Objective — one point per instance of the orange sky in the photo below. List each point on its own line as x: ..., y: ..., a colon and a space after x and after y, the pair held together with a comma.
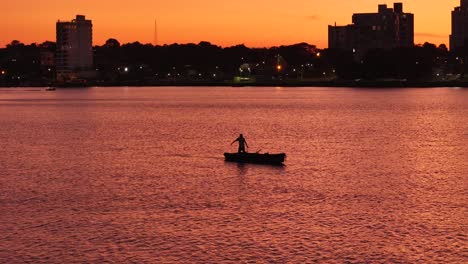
x: 256, y: 23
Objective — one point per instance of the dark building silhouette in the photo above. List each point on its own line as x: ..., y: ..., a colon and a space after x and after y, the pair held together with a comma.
x: 74, y: 54
x: 459, y: 36
x: 342, y: 37
x: 387, y: 29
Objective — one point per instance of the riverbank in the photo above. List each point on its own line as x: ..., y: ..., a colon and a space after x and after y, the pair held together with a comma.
x: 273, y: 83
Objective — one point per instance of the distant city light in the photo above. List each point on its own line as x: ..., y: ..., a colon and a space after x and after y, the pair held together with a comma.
x: 3, y: 72
x: 318, y: 54
x: 279, y: 67
x: 126, y: 69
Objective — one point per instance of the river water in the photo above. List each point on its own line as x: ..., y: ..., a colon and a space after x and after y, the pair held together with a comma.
x: 136, y: 175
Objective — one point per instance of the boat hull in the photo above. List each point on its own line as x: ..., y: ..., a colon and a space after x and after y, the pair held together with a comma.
x: 257, y: 158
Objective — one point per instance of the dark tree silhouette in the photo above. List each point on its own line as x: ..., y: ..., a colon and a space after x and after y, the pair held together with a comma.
x: 137, y: 63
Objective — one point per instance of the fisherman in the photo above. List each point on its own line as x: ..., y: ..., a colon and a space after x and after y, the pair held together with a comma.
x: 242, y: 144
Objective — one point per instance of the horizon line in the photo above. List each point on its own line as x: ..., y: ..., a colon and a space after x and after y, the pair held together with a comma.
x: 214, y: 44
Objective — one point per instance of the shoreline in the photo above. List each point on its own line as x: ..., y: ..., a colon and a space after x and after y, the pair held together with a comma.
x: 288, y: 83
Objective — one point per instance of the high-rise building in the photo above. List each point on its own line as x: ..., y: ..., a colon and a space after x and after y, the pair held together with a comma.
x: 388, y: 28
x: 342, y: 37
x: 459, y: 37
x: 74, y: 48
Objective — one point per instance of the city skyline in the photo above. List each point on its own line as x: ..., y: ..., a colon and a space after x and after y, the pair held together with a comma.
x: 253, y: 24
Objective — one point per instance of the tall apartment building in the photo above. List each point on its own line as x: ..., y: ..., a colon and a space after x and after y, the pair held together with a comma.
x: 74, y: 48
x: 342, y: 37
x: 459, y: 36
x: 388, y: 28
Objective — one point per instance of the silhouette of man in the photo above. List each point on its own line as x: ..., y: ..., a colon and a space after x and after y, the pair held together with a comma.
x: 242, y: 144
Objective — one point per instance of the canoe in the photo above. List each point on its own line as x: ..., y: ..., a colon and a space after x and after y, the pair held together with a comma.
x: 258, y: 158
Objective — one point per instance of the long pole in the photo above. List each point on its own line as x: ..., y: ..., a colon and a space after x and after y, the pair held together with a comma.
x: 155, y: 33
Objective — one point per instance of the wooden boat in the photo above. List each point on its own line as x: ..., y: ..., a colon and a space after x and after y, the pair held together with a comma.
x: 266, y: 158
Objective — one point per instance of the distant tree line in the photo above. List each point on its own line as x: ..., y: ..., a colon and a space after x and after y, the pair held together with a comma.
x: 197, y: 61
x: 114, y: 63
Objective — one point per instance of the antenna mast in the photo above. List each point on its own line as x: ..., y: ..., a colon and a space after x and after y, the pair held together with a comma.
x: 155, y: 40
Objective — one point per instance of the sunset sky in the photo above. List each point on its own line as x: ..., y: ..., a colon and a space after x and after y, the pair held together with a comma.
x: 256, y: 23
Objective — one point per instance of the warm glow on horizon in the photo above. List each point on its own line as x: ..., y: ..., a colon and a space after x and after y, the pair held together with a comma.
x: 256, y: 24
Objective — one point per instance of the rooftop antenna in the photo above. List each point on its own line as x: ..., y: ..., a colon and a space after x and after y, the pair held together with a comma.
x: 155, y: 41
